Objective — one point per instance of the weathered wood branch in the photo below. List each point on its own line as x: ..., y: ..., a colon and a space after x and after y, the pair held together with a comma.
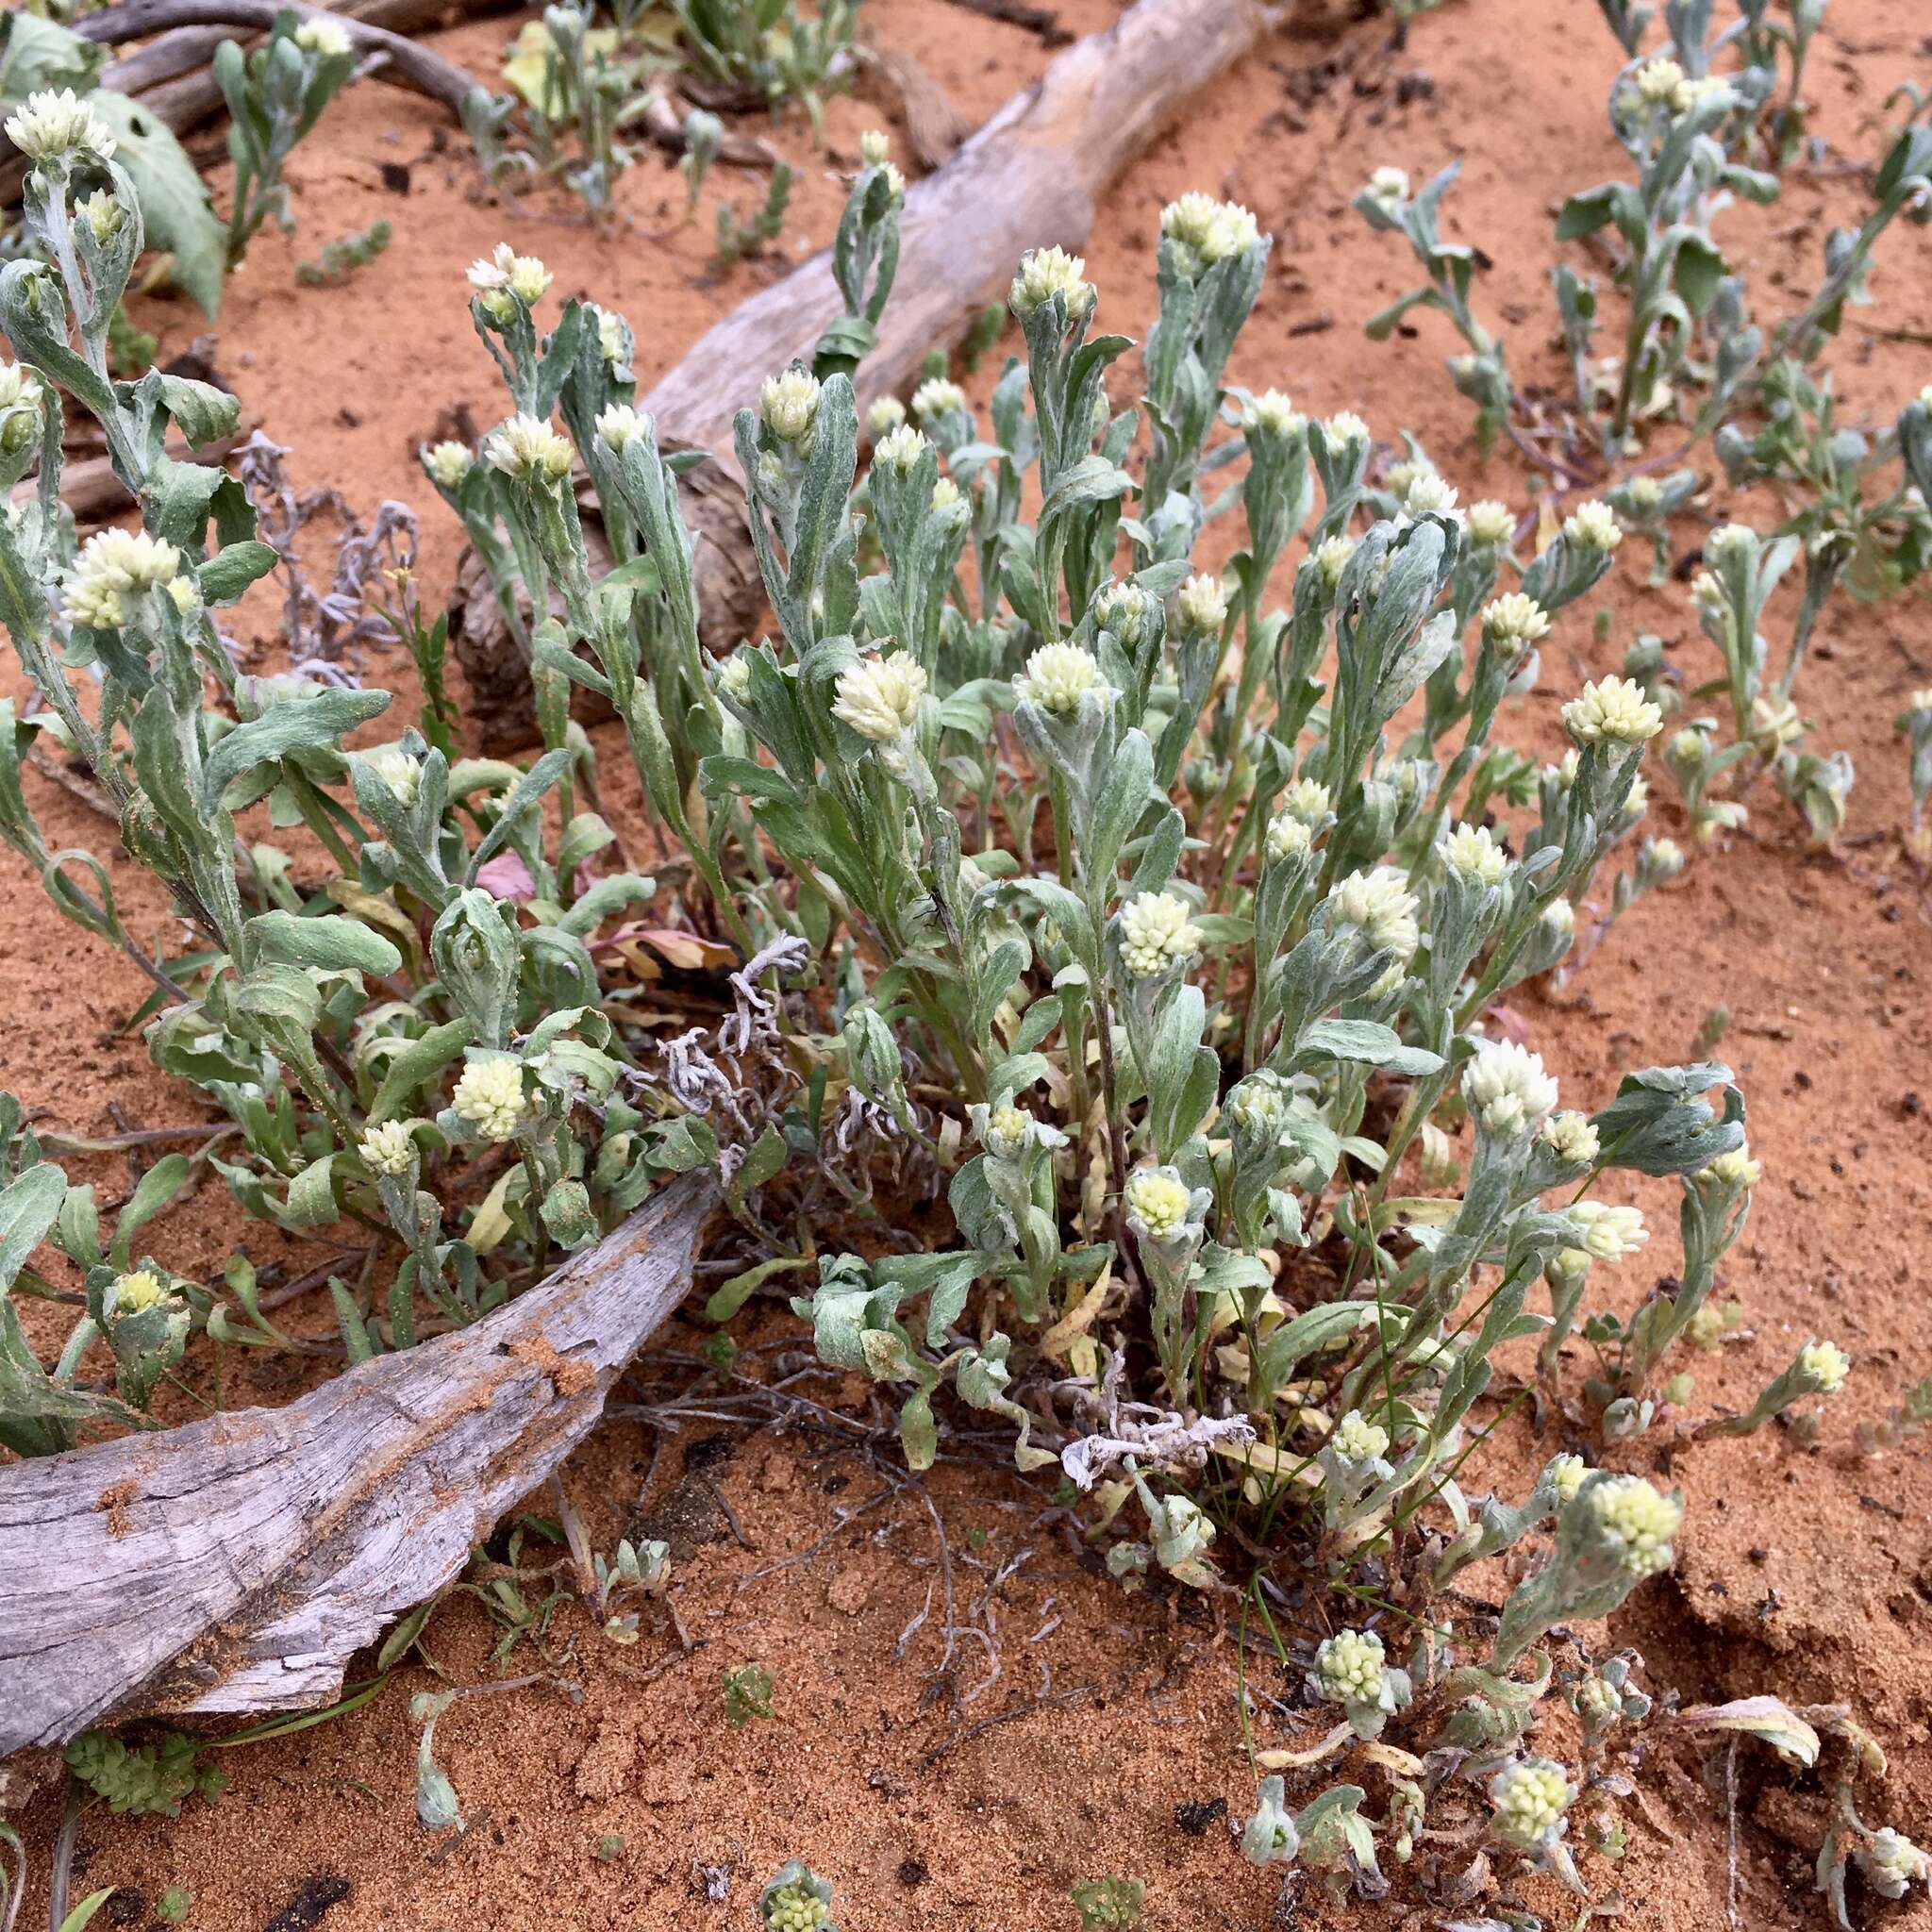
x: 236, y: 1564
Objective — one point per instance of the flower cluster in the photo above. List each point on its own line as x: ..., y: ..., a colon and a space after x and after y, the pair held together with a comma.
x: 115, y: 566
x: 1045, y: 273
x: 528, y: 451
x: 1613, y: 711
x: 490, y: 1095
x: 878, y: 697
x: 507, y: 279
x: 1641, y: 1517
x: 789, y: 403
x: 1156, y: 931
x: 1506, y: 1088
x: 1058, y: 678
x: 61, y: 122
x: 1529, y: 1800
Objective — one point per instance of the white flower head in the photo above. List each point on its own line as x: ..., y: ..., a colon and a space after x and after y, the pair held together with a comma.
x: 1565, y: 1474
x: 1471, y: 852
x: 111, y: 567
x: 1045, y: 273
x: 1689, y: 91
x: 1288, y: 837
x: 1891, y: 1864
x: 789, y: 403
x: 506, y: 278
x: 1663, y: 858
x: 1529, y: 1798
x: 137, y: 1290
x: 103, y: 213
x: 612, y: 344
x: 529, y: 450
x: 1349, y: 1666
x: 1389, y: 186
x: 1057, y: 677
x: 1380, y: 907
x: 1826, y: 1364
x: 1659, y: 80
x: 1212, y: 229
x: 900, y: 448
x: 883, y: 418
x: 59, y: 123
x: 1158, y: 1200
x: 1358, y: 1440
x: 20, y: 388
x: 387, y: 1149
x: 938, y: 397
x: 1571, y: 1138
x: 1330, y: 556
x: 878, y: 697
x: 1515, y: 619
x: 616, y: 425
x: 1613, y: 710
x: 1343, y: 429
x: 1307, y: 799
x: 324, y: 37
x: 1507, y: 1088
x: 1272, y: 414
x: 1560, y: 917
x: 1156, y: 931
x: 1734, y: 1168
x: 734, y: 676
x: 1610, y: 1232
x: 1202, y: 605
x: 875, y: 150
x: 944, y: 491
x: 490, y: 1095
x: 1009, y: 1129
x: 1593, y: 526
x: 1641, y: 1517
x: 1428, y: 495
x: 1490, y: 521
x: 398, y: 770
x: 448, y: 463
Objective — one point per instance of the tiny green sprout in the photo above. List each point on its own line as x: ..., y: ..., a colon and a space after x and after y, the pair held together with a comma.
x: 1110, y: 1905
x: 975, y: 1539
x: 797, y: 1900
x: 748, y: 1694
x: 719, y: 1349
x: 148, y: 1779
x: 173, y: 1907
x: 609, y: 1848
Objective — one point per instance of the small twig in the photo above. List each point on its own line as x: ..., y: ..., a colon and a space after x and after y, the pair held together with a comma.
x: 1012, y: 1714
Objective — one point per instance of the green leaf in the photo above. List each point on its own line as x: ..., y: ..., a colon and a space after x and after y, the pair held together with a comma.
x: 176, y: 210
x: 311, y: 724
x: 417, y: 1063
x: 1367, y: 1043
x: 223, y: 579
x: 28, y: 1207
x: 329, y: 942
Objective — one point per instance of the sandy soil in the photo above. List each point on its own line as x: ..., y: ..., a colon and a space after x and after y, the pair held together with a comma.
x: 1070, y: 1724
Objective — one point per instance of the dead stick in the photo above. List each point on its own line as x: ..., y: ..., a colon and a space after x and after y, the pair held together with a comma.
x: 1032, y: 176
x: 238, y: 1564
x: 376, y: 27
x: 411, y: 66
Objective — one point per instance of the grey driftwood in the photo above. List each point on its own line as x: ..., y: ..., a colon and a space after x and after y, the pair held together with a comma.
x: 236, y: 1564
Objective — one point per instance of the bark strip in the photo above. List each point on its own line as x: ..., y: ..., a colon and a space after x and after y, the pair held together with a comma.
x: 238, y: 1564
